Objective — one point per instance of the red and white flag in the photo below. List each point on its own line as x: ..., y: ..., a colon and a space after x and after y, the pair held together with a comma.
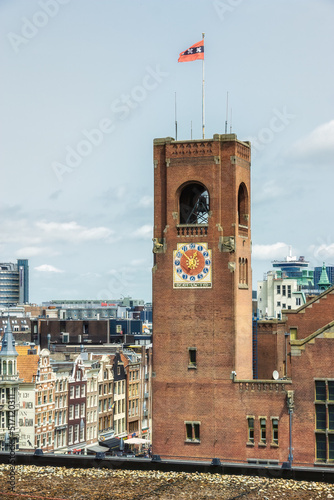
x: 194, y: 52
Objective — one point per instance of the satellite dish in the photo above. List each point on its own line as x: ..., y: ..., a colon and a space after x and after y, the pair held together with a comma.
x: 275, y: 375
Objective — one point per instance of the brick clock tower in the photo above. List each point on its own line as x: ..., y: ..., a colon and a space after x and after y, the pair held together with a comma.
x: 202, y: 293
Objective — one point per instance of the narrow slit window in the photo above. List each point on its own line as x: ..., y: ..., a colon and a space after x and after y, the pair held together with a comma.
x: 263, y: 431
x: 192, y: 363
x: 275, y: 430
x: 250, y: 430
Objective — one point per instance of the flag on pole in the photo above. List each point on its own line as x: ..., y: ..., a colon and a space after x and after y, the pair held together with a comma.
x: 194, y: 52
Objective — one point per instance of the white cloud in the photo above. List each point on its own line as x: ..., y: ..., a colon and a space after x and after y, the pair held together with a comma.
x: 28, y: 252
x: 323, y: 251
x: 18, y: 232
x: 320, y: 143
x: 275, y: 251
x: 72, y: 231
x: 145, y: 231
x: 47, y: 268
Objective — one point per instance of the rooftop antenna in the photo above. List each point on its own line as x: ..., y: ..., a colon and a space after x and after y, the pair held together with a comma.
x: 175, y: 120
x: 226, y: 113
x: 231, y: 123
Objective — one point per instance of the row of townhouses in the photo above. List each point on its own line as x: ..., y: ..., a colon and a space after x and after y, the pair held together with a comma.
x: 72, y: 403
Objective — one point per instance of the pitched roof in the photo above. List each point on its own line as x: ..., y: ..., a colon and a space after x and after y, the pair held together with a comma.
x: 8, y: 342
x: 27, y: 365
x: 22, y: 349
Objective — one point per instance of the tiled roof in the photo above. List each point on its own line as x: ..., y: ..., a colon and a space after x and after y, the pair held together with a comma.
x: 22, y: 349
x: 27, y: 365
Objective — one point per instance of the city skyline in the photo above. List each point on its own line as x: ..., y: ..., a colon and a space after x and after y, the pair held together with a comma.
x: 87, y: 90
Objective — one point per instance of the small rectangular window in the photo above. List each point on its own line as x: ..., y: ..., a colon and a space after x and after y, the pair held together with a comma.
x: 275, y: 430
x: 283, y: 290
x: 320, y: 421
x: 331, y: 390
x: 289, y: 291
x: 320, y: 390
x: 298, y: 302
x: 192, y: 362
x: 321, y: 447
x: 331, y: 447
x: 192, y: 431
x: 278, y: 304
x: 250, y: 430
x: 263, y: 433
x: 278, y: 289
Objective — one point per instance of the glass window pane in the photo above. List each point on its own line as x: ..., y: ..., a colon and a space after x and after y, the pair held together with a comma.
x: 331, y: 417
x: 189, y: 430
x: 331, y: 446
x: 320, y: 390
x: 331, y: 390
x: 320, y: 411
x: 196, y: 431
x: 321, y: 446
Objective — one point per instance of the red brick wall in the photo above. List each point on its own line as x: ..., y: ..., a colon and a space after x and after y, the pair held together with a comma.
x: 314, y: 362
x: 271, y: 349
x: 312, y: 316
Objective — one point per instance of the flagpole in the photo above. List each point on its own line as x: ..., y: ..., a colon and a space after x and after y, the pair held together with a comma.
x: 203, y: 108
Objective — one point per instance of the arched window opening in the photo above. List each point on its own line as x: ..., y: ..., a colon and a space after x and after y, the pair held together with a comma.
x: 243, y: 205
x: 10, y: 368
x: 194, y: 204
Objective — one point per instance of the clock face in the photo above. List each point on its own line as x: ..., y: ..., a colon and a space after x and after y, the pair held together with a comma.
x: 192, y: 266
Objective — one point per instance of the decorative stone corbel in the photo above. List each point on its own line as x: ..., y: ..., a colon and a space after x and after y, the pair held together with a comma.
x: 226, y: 244
x: 231, y: 266
x: 158, y: 245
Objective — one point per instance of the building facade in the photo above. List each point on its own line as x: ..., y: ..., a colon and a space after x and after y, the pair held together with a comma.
x: 275, y: 294
x: 14, y: 283
x: 202, y: 294
x: 77, y: 390
x: 9, y: 392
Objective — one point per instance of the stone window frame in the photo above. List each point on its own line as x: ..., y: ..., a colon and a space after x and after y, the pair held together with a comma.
x: 263, y: 429
x: 250, y: 440
x: 192, y: 431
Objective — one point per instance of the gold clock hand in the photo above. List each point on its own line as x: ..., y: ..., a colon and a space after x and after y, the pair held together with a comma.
x: 186, y: 256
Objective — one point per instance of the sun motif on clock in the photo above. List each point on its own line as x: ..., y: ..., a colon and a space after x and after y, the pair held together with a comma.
x: 192, y: 266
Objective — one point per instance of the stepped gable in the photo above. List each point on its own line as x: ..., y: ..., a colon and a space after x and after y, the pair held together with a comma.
x: 310, y: 317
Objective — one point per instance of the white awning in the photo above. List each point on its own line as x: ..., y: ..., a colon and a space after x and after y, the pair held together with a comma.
x: 136, y: 441
x: 97, y: 448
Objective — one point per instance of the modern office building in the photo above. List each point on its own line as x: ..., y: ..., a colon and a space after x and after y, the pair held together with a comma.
x: 293, y: 268
x: 14, y: 283
x: 284, y: 287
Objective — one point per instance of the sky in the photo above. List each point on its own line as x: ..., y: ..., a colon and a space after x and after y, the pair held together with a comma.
x: 87, y: 85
